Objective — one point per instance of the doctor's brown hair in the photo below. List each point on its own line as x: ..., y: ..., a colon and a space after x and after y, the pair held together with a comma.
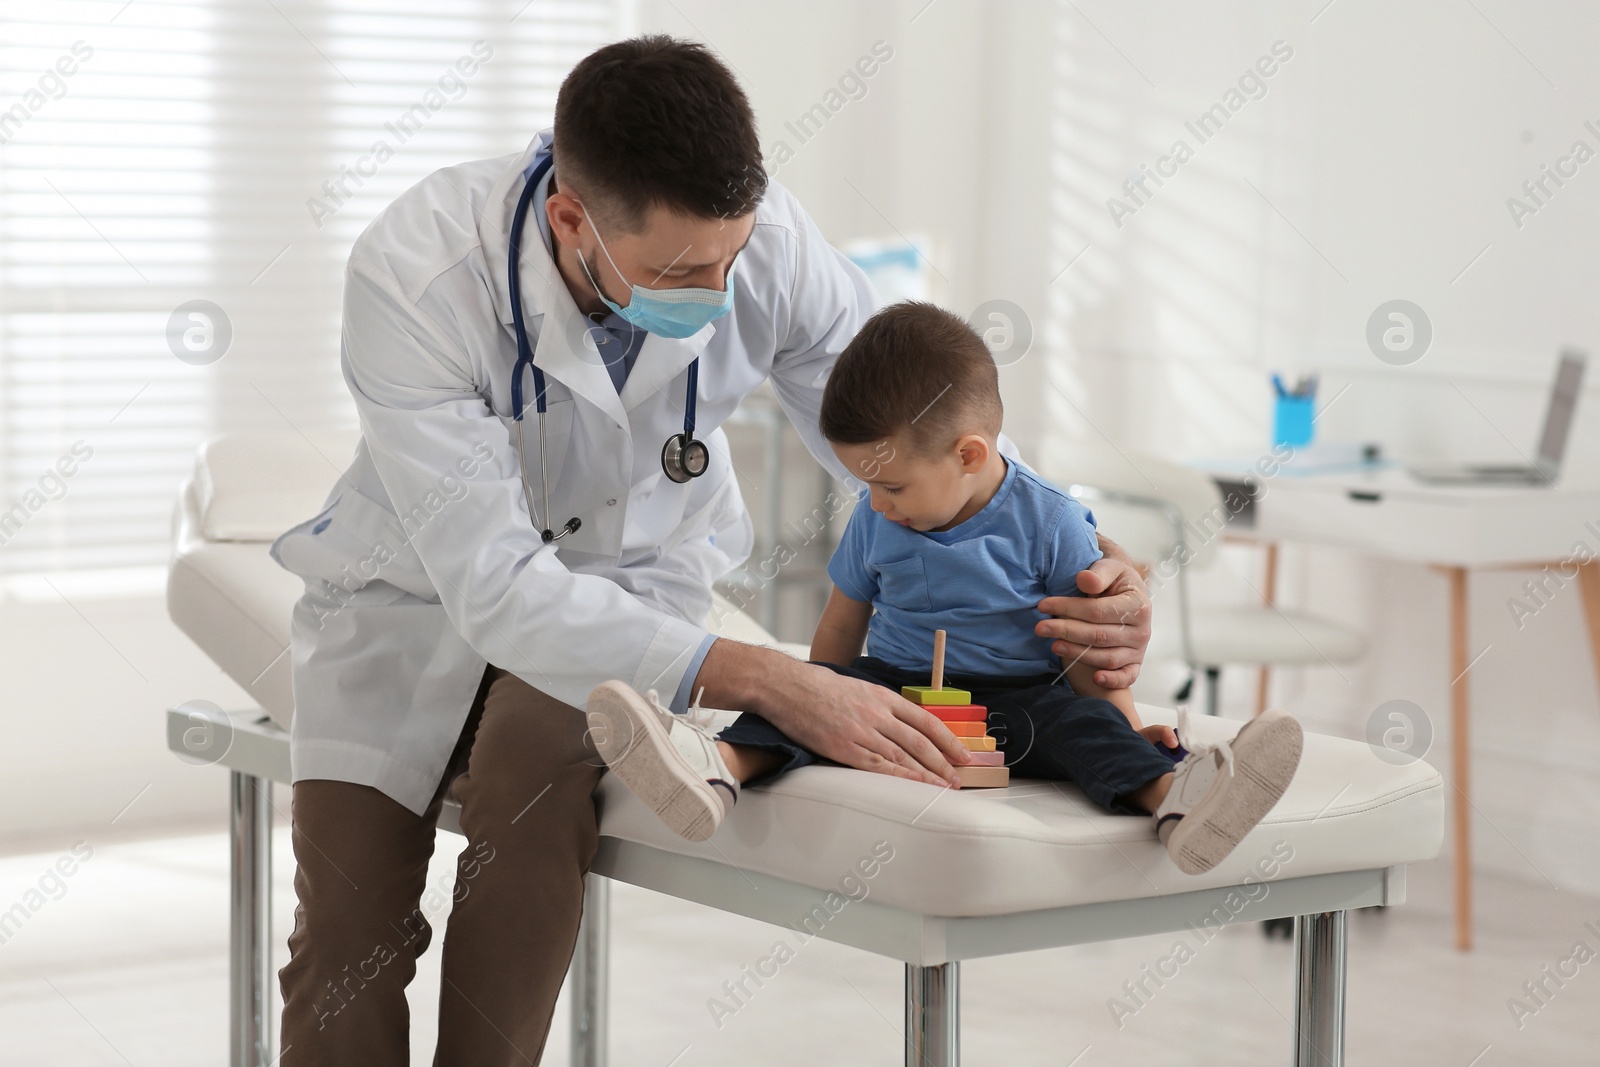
x: 914, y: 367
x: 657, y: 121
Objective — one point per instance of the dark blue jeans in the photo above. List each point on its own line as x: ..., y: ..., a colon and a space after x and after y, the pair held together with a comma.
x: 1044, y: 728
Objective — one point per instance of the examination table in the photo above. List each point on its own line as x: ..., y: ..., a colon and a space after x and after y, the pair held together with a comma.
x: 971, y: 874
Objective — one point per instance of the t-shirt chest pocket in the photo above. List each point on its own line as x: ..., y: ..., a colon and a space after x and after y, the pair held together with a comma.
x: 904, y: 584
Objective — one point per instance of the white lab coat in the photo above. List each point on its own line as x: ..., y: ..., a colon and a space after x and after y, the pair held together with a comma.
x: 397, y: 623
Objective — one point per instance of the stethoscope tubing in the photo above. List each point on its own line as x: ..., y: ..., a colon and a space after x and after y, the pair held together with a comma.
x: 687, y: 443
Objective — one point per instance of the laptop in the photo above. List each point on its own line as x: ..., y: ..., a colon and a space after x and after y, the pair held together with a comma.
x: 1552, y: 441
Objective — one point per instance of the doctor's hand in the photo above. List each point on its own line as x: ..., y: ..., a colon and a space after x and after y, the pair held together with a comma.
x: 848, y: 720
x: 872, y: 728
x: 1107, y: 628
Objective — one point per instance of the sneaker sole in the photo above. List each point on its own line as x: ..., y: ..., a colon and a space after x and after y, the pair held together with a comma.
x: 1265, y: 755
x: 634, y: 744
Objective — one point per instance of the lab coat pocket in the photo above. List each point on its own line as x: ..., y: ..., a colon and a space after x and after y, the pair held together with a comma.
x: 904, y: 583
x: 558, y: 418
x: 373, y: 543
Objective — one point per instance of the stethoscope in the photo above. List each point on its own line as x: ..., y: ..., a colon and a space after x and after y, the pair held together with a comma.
x: 682, y: 457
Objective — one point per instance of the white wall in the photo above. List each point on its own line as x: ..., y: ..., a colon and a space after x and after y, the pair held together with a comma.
x: 85, y: 740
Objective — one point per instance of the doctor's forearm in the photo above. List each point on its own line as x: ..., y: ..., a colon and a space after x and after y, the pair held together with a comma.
x: 741, y: 677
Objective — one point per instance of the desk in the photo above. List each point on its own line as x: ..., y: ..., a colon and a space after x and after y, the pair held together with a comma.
x: 1382, y: 511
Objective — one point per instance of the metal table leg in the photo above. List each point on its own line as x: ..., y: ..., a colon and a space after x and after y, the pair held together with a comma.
x: 250, y: 926
x: 933, y: 1015
x: 1319, y: 946
x: 589, y: 978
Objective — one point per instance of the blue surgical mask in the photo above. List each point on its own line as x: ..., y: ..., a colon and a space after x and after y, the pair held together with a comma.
x: 674, y: 313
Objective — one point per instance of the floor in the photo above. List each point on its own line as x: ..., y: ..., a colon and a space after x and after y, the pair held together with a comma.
x: 123, y: 962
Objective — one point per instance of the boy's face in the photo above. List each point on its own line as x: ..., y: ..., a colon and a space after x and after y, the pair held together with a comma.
x: 921, y: 490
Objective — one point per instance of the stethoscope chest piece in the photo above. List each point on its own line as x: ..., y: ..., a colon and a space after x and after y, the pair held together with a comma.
x: 682, y: 457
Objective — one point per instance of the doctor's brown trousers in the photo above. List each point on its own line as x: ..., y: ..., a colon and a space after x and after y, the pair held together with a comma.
x: 524, y: 775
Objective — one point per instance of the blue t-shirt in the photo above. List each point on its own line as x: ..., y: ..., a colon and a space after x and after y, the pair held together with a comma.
x: 980, y: 581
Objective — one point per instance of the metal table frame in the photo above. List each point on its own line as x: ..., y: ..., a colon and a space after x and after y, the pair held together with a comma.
x: 931, y: 947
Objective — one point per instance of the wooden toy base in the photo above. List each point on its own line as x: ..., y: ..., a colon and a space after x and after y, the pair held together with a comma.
x: 984, y: 777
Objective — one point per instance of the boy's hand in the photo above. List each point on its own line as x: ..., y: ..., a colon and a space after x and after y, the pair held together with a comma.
x: 1107, y: 628
x: 1161, y: 735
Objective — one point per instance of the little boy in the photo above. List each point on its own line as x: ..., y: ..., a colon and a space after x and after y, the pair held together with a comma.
x: 951, y: 535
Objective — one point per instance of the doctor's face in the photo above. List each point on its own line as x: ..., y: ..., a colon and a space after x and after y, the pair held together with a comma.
x: 671, y: 251
x: 919, y: 490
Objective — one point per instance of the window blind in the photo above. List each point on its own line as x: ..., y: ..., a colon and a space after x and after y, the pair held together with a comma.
x: 158, y: 154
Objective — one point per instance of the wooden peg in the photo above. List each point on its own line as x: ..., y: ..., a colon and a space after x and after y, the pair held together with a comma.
x: 938, y: 659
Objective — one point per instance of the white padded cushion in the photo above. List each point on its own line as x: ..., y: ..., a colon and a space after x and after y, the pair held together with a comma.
x: 234, y: 601
x: 252, y: 487
x: 1042, y: 844
x: 726, y: 620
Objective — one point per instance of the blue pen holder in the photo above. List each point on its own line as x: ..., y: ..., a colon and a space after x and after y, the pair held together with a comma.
x: 1291, y: 420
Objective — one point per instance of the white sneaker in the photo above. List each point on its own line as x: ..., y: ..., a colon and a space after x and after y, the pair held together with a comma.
x: 670, y: 762
x: 1220, y: 793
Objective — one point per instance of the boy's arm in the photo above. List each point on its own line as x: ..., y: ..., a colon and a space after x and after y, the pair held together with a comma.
x: 1076, y: 546
x: 842, y: 630
x: 1081, y: 675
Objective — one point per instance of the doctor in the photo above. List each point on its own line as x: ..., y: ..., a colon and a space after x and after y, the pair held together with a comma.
x: 523, y: 521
